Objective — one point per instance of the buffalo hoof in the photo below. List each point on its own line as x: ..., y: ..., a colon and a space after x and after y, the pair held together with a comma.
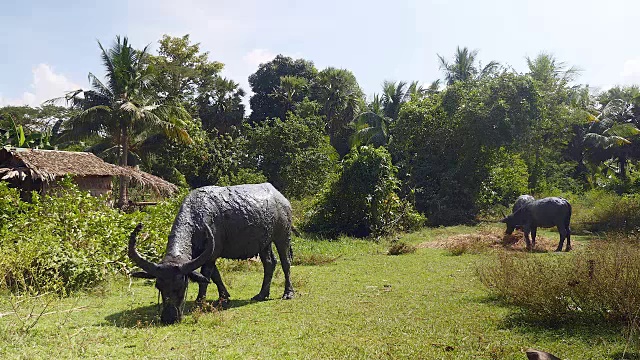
x: 288, y: 295
x: 558, y: 250
x: 260, y: 297
x: 223, y: 303
x: 567, y: 249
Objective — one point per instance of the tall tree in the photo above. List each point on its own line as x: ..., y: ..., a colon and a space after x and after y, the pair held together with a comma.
x: 340, y: 97
x: 394, y: 94
x: 180, y: 71
x: 372, y: 126
x: 464, y: 67
x: 290, y: 89
x: 124, y: 108
x: 220, y: 104
x: 545, y: 148
x: 266, y: 81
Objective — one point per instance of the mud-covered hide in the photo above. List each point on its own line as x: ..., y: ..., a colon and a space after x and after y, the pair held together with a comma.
x: 244, y: 220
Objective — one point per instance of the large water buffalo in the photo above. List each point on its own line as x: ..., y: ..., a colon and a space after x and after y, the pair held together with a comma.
x: 547, y: 212
x: 235, y: 222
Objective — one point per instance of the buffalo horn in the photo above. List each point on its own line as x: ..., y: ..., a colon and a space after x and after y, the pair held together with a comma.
x: 204, y: 257
x: 146, y: 265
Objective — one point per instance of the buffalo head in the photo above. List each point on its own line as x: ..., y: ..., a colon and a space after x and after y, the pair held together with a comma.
x: 171, y: 278
x: 511, y: 224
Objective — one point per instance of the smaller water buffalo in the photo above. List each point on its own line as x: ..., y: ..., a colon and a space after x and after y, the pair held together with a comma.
x: 521, y: 201
x: 547, y: 212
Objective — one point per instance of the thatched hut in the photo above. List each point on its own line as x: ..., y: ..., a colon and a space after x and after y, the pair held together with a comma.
x: 39, y: 170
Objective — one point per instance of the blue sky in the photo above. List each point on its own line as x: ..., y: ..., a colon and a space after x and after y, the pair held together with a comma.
x: 50, y: 47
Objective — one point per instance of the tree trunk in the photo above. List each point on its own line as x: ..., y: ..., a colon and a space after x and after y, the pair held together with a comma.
x: 124, y: 180
x: 623, y: 167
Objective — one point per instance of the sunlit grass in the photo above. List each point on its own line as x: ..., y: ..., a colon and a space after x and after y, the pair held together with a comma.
x: 362, y: 303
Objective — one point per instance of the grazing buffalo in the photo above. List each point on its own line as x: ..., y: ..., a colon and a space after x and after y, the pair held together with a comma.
x: 547, y: 212
x: 235, y: 222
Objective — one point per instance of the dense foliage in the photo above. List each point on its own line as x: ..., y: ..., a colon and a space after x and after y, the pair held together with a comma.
x: 71, y: 240
x: 363, y: 199
x: 463, y: 145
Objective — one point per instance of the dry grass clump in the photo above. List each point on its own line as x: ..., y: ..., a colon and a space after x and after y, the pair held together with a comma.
x: 601, y: 281
x: 488, y: 239
x: 399, y: 248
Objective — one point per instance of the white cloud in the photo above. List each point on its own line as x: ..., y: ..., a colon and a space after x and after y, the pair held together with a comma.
x: 631, y: 71
x: 258, y: 56
x: 46, y: 85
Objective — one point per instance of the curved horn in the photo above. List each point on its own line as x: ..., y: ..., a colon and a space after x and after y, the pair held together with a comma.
x: 204, y: 257
x: 146, y: 265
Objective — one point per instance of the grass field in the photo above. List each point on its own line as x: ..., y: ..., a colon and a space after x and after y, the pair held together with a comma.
x: 352, y: 301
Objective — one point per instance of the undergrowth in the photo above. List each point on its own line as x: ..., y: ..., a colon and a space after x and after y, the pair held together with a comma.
x: 599, y: 283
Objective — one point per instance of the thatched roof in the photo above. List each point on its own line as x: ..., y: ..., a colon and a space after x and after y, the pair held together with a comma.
x: 49, y: 165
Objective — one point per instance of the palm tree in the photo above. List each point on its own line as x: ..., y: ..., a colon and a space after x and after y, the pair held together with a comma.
x: 124, y: 108
x: 341, y: 98
x: 372, y: 127
x: 220, y: 104
x: 464, y: 68
x: 610, y: 133
x: 290, y: 88
x: 546, y: 69
x: 394, y: 94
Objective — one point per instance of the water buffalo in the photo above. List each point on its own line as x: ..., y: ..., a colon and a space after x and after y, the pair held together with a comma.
x: 235, y: 222
x: 547, y: 212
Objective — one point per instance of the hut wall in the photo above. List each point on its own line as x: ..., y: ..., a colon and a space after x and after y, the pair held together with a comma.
x: 95, y: 185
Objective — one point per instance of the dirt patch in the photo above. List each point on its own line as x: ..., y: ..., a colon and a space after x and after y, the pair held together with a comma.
x: 487, y: 239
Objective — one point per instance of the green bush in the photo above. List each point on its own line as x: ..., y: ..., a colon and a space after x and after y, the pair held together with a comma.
x: 72, y: 240
x: 295, y: 155
x: 363, y: 200
x: 601, y: 211
x: 508, y: 178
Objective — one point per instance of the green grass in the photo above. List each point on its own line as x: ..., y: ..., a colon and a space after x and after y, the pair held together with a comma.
x: 357, y: 303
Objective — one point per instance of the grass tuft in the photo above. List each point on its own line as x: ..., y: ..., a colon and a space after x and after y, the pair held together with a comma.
x: 399, y: 248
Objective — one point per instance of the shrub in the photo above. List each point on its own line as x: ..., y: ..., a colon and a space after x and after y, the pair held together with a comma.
x: 363, y: 200
x: 73, y: 240
x: 295, y: 155
x: 602, y: 282
x: 601, y: 210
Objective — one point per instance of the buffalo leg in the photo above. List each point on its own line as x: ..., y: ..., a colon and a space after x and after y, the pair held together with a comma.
x: 526, y: 238
x: 285, y: 260
x: 563, y: 234
x: 210, y: 271
x: 568, y: 248
x: 534, y: 231
x: 269, y: 264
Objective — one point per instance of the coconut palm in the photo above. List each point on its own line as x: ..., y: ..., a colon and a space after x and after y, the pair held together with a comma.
x: 372, y: 125
x: 464, y: 68
x: 124, y: 108
x: 611, y: 132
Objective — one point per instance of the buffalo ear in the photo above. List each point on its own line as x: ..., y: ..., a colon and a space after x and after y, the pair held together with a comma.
x: 142, y: 275
x: 504, y: 220
x: 197, y: 277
